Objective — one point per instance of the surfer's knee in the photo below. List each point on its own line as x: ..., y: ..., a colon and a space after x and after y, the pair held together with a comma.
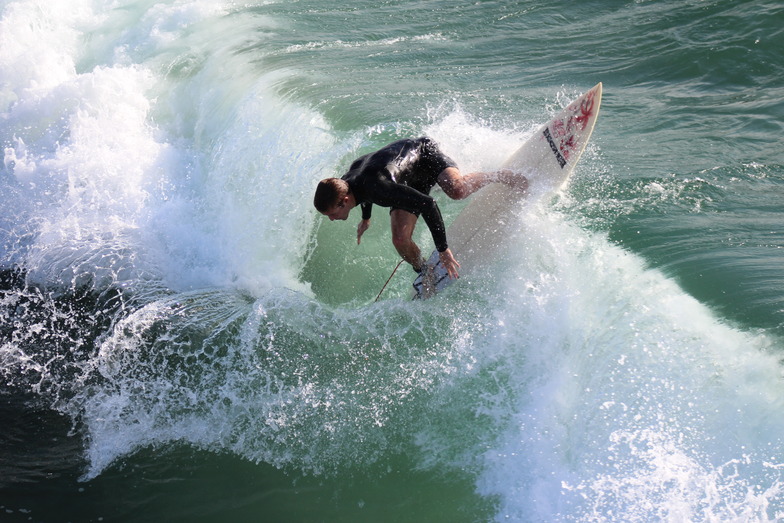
x: 460, y: 191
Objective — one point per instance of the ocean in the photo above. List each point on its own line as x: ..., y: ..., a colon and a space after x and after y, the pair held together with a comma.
x: 184, y: 338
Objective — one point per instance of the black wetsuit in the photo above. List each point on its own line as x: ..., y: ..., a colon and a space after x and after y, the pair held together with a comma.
x: 401, y: 176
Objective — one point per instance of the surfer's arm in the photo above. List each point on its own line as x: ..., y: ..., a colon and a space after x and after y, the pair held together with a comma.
x: 432, y: 216
x: 367, y: 208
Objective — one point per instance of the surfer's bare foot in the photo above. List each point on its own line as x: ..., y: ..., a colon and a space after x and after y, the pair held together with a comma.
x: 515, y: 180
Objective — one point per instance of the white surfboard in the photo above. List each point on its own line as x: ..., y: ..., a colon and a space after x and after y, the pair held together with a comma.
x: 547, y: 160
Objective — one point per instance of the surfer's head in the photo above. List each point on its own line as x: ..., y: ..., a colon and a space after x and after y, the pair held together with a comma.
x: 333, y: 198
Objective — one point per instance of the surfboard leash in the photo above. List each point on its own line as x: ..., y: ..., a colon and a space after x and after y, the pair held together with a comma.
x: 388, y: 280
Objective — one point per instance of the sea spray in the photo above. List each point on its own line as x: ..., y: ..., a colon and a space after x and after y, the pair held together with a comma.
x: 617, y: 361
x: 279, y: 379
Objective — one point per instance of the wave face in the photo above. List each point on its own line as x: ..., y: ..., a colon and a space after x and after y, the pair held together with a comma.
x: 172, y: 309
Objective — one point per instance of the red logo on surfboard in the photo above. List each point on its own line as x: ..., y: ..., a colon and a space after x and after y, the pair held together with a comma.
x: 562, y: 139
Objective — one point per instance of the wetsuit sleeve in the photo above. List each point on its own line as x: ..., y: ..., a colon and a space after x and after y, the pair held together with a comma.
x: 390, y: 194
x: 367, y: 208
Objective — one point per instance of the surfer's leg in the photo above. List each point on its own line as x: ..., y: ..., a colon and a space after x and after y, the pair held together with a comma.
x: 403, y: 223
x: 458, y: 186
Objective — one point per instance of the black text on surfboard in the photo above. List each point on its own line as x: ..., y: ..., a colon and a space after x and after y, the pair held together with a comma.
x: 558, y: 155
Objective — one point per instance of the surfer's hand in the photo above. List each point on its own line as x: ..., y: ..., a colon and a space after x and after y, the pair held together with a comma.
x: 361, y: 228
x: 450, y: 263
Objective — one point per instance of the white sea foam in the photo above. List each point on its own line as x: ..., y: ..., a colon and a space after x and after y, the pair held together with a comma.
x: 104, y: 172
x: 633, y: 400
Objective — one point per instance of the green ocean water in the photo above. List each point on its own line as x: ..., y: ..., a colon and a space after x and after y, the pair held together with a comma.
x: 183, y: 338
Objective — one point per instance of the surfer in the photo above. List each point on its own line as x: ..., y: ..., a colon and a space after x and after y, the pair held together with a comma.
x: 400, y: 176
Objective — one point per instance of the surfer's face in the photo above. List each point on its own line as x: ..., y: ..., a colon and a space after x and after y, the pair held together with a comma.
x: 338, y: 212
